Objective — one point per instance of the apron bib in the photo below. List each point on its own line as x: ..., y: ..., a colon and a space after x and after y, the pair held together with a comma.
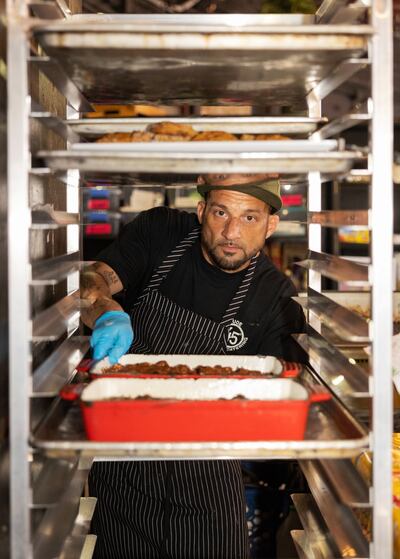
x: 174, y: 509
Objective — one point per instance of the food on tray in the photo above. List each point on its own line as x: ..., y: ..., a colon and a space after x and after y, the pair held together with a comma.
x: 170, y: 138
x: 248, y: 137
x: 363, y: 463
x: 162, y: 368
x: 126, y: 137
x: 165, y: 131
x: 141, y: 137
x: 115, y: 137
x: 214, y: 136
x: 359, y: 310
x: 271, y: 137
x: 364, y: 517
x: 263, y: 137
x: 172, y: 129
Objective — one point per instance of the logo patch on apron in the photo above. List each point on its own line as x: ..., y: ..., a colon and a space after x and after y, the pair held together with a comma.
x: 234, y: 336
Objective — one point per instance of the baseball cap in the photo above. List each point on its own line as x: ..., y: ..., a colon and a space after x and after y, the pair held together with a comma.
x: 266, y: 189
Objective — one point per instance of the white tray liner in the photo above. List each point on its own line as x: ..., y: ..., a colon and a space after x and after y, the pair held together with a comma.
x: 194, y: 389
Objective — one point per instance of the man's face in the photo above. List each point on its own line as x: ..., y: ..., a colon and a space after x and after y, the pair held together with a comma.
x: 234, y: 228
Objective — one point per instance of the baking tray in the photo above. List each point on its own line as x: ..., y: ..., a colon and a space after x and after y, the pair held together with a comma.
x: 198, y: 22
x: 224, y: 60
x: 189, y: 409
x: 209, y: 158
x: 267, y: 365
x: 90, y: 128
x: 342, y: 322
x: 169, y: 181
x: 360, y: 302
x: 275, y: 146
x: 331, y: 433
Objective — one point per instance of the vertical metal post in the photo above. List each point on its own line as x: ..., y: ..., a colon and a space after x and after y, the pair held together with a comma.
x: 18, y: 279
x: 381, y: 274
x: 73, y: 232
x: 314, y: 200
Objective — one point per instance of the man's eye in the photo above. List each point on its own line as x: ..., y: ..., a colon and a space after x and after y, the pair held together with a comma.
x: 250, y: 218
x: 220, y: 213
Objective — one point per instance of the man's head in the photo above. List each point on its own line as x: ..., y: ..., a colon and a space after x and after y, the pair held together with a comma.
x: 236, y: 217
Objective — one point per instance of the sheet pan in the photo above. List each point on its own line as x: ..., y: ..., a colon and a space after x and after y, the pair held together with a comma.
x: 173, y: 409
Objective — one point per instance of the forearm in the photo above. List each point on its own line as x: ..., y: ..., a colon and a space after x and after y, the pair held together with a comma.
x: 96, y: 296
x: 90, y: 314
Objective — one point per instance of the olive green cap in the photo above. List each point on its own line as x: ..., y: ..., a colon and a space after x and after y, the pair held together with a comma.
x: 266, y: 190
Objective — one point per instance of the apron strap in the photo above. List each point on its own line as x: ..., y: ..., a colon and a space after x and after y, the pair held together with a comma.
x: 169, y: 262
x: 234, y: 305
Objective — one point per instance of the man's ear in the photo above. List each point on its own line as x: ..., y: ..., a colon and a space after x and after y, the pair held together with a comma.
x: 200, y: 180
x: 273, y: 223
x: 200, y: 210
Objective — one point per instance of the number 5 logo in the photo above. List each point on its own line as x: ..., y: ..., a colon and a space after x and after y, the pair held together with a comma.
x: 235, y: 337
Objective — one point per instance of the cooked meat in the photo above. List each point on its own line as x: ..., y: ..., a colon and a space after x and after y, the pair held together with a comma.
x: 171, y: 132
x: 126, y: 137
x: 162, y: 368
x: 172, y: 129
x: 214, y: 136
x: 170, y: 138
x: 271, y: 137
x: 115, y: 137
x: 247, y: 137
x: 141, y: 137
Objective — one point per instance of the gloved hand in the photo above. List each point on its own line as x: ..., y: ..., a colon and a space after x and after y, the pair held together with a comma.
x: 112, y: 335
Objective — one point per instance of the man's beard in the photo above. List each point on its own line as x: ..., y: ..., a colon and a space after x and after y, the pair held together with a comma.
x: 227, y: 263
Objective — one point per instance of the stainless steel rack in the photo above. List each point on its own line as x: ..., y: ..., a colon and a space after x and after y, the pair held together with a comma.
x: 292, y: 63
x: 212, y: 158
x: 91, y: 129
x: 98, y: 54
x: 331, y: 433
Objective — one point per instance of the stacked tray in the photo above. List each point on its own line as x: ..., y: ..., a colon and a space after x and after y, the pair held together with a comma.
x: 202, y: 409
x: 251, y: 59
x: 205, y: 58
x: 290, y: 157
x: 274, y: 60
x: 221, y: 60
x: 91, y: 129
x: 330, y: 431
x: 209, y: 397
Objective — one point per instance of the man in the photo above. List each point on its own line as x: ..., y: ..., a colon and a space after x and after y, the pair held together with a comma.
x: 193, y: 284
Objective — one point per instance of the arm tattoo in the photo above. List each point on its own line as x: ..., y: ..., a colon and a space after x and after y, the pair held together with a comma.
x: 90, y: 280
x: 110, y: 277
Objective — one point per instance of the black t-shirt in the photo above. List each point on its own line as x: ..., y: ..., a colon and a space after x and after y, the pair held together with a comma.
x: 268, y: 315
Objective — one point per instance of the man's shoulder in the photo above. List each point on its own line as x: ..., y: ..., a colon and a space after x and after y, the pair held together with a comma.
x: 169, y: 217
x: 166, y: 227
x: 271, y: 275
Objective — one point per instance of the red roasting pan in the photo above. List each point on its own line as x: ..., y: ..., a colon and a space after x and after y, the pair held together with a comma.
x: 203, y: 409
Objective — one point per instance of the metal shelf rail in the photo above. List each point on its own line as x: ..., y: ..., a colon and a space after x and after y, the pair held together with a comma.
x: 46, y: 519
x: 297, y: 64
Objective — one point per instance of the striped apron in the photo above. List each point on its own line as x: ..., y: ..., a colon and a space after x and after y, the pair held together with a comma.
x: 173, y: 509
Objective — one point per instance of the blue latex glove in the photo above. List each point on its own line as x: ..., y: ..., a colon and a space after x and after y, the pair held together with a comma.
x: 112, y: 335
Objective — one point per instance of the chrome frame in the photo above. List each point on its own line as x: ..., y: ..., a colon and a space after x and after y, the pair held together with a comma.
x: 381, y: 196
x: 18, y: 280
x: 380, y: 275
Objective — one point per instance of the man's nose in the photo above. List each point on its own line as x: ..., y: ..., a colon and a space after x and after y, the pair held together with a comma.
x: 232, y: 229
